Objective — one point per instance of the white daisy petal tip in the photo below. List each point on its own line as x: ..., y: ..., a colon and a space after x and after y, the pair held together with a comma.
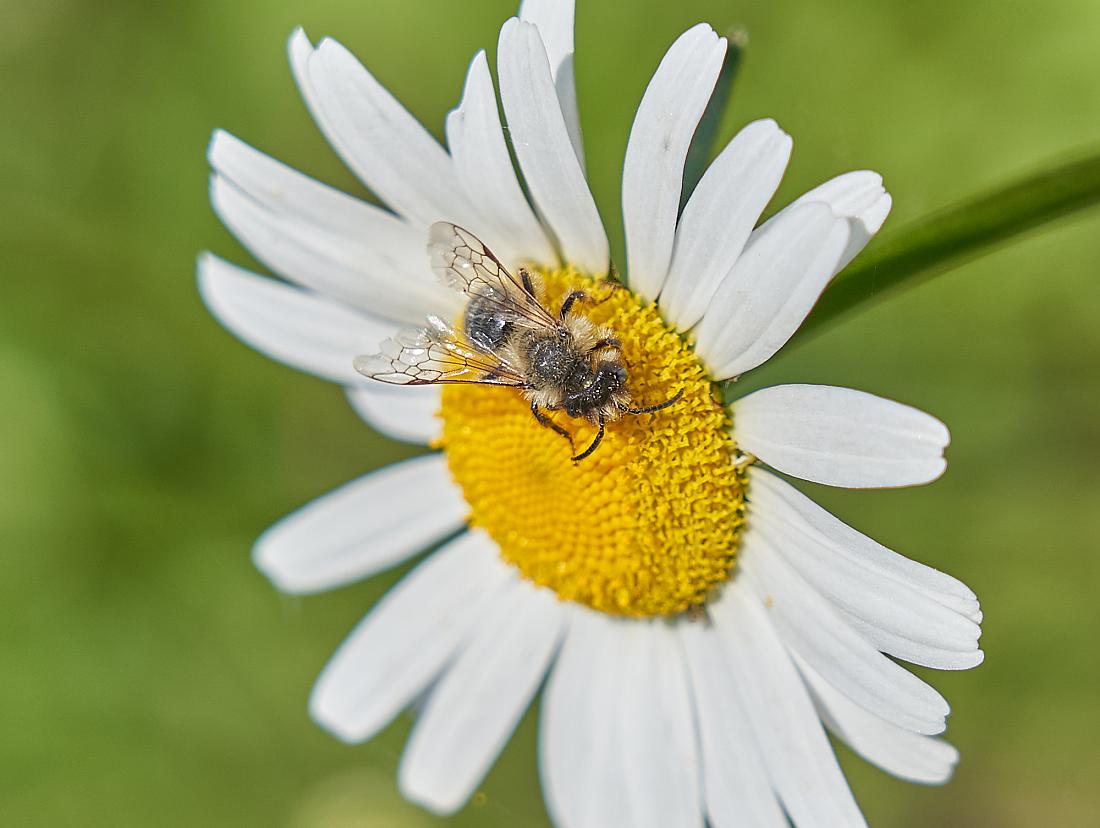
x: 910, y: 756
x: 383, y: 143
x: 774, y: 283
x: 408, y: 639
x: 660, y: 137
x: 298, y: 45
x: 841, y: 437
x: 331, y: 718
x: 267, y: 557
x: 763, y: 130
x: 362, y: 528
x: 875, y: 216
x: 484, y: 168
x: 473, y: 709
x: 719, y: 218
x: 541, y: 140
x: 816, y: 630
x: 860, y: 197
x: 555, y: 21
x: 894, y: 605
x: 219, y: 141
x: 440, y: 802
x: 218, y: 281
x: 296, y: 327
x: 891, y: 599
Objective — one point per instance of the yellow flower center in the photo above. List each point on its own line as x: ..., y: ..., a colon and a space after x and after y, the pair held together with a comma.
x: 648, y: 524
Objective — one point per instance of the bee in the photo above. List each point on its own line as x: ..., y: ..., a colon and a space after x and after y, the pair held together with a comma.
x: 559, y: 361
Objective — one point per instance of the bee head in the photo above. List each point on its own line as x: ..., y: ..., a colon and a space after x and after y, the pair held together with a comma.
x: 613, y: 374
x: 601, y: 385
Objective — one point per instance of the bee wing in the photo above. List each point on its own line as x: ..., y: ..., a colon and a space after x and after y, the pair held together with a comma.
x: 434, y: 355
x: 464, y: 263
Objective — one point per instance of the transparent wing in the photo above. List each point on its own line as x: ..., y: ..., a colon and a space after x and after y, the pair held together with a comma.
x: 464, y: 263
x: 434, y: 355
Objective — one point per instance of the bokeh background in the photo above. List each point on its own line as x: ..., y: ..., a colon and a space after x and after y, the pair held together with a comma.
x: 152, y: 677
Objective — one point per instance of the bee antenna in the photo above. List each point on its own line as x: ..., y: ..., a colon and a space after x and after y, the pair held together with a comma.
x: 649, y: 409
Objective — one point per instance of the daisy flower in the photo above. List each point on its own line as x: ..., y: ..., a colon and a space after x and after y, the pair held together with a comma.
x: 699, y: 624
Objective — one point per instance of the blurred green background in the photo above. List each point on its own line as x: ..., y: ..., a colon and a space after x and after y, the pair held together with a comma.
x: 152, y: 677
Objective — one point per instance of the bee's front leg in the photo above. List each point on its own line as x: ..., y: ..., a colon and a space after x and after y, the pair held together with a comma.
x: 546, y: 422
x: 574, y: 297
x: 595, y: 443
x: 582, y: 296
x: 528, y: 285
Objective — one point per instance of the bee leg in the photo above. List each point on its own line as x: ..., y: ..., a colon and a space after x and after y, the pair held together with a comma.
x: 546, y: 422
x: 606, y: 342
x: 582, y: 296
x: 528, y: 285
x: 649, y: 409
x: 567, y: 305
x: 595, y: 444
x: 613, y: 284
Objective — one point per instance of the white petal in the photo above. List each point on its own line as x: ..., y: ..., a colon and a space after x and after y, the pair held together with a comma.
x: 906, y: 755
x: 363, y: 527
x: 407, y: 639
x: 301, y: 329
x: 771, y: 288
x: 653, y: 170
x: 960, y: 653
x: 858, y: 196
x: 811, y: 628
x: 282, y: 189
x: 550, y: 167
x: 477, y: 704
x: 616, y: 736
x: 787, y: 731
x: 891, y: 613
x: 485, y: 170
x: 736, y: 787
x: 719, y: 217
x: 839, y: 545
x: 554, y: 20
x: 327, y: 262
x: 389, y: 246
x: 407, y: 413
x: 841, y: 437
x: 376, y: 136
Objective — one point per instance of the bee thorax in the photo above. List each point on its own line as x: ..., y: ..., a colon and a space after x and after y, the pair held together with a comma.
x: 553, y: 361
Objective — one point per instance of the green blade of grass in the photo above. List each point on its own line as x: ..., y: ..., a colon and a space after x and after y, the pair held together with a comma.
x: 947, y: 238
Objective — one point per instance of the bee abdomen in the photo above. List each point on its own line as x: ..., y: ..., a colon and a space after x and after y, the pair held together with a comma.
x: 484, y: 323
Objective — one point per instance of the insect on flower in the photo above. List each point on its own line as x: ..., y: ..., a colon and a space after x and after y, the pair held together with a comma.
x: 582, y: 579
x: 561, y: 362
